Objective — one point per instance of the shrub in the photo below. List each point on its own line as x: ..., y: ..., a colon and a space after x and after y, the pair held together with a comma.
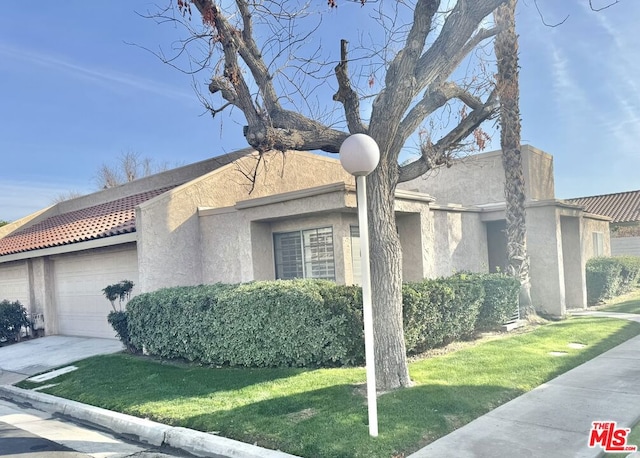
x: 13, y: 317
x: 261, y: 324
x: 437, y: 312
x: 603, y: 279
x: 608, y: 277
x: 629, y: 273
x: 120, y: 291
x: 501, y: 296
x: 118, y: 320
x: 304, y: 322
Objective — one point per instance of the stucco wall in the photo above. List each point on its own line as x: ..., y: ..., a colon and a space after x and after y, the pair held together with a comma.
x: 544, y: 246
x: 460, y: 242
x: 625, y: 246
x: 170, y: 233
x: 573, y: 262
x: 236, y: 249
x: 42, y: 291
x: 479, y: 179
x: 591, y: 225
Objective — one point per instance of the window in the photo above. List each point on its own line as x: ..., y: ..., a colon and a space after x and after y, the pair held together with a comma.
x: 305, y: 254
x: 598, y: 244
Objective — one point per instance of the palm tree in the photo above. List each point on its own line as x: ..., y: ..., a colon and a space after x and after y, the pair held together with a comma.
x: 506, y: 49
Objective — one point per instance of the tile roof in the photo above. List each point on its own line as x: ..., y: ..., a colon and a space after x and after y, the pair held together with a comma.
x: 622, y: 207
x: 104, y: 220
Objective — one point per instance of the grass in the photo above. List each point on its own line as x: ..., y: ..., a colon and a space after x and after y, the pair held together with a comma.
x: 628, y: 303
x: 323, y: 412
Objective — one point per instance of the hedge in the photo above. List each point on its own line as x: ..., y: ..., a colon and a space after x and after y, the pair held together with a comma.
x: 501, y: 296
x: 304, y: 322
x: 608, y: 277
x: 437, y: 312
x: 260, y: 324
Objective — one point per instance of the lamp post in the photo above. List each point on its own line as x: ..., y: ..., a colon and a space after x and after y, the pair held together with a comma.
x: 359, y: 155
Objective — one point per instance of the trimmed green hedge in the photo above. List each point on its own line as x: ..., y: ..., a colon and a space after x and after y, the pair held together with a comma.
x: 501, y: 295
x: 260, y: 324
x: 304, y: 322
x: 608, y: 277
x: 437, y: 312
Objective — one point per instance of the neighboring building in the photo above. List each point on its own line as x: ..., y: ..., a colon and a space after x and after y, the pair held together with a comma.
x: 624, y: 210
x: 199, y: 224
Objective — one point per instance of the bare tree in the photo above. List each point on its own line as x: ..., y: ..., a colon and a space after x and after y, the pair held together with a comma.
x: 65, y: 196
x: 506, y: 50
x: 128, y: 167
x: 422, y: 49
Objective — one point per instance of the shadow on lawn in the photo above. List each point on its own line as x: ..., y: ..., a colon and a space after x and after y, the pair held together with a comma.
x: 332, y: 422
x: 630, y: 306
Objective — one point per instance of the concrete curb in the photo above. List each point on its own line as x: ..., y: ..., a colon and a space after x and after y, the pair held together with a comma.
x: 191, y: 441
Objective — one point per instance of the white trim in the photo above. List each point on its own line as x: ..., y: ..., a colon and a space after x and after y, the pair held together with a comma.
x: 211, y: 211
x: 293, y: 195
x: 72, y: 247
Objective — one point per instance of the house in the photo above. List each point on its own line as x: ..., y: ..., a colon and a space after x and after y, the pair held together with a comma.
x: 207, y: 222
x: 624, y: 210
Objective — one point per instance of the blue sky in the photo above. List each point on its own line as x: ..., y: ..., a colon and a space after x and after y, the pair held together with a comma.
x: 75, y: 94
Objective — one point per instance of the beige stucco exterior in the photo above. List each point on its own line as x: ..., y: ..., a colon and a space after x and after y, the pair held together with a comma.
x: 479, y: 179
x: 170, y: 232
x: 213, y: 226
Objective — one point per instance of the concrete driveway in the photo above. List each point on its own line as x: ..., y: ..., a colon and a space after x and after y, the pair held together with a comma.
x: 24, y: 359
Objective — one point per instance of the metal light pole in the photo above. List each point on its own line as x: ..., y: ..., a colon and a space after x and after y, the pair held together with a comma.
x: 359, y: 155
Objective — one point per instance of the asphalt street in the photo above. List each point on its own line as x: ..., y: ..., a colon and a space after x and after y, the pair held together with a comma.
x: 16, y: 442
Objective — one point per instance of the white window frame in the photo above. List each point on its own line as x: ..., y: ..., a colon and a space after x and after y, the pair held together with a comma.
x: 316, y: 259
x: 598, y: 243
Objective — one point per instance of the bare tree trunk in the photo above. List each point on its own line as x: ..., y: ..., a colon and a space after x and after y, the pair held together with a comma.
x: 386, y: 282
x: 506, y: 48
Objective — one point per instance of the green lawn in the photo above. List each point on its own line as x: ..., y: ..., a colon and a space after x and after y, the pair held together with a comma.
x: 323, y: 412
x: 629, y: 303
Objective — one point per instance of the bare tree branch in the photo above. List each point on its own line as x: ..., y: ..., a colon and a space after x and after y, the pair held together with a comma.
x: 346, y: 95
x: 535, y: 2
x: 614, y: 2
x: 456, y: 39
x: 440, y: 153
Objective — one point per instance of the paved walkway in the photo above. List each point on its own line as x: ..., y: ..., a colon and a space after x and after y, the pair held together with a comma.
x: 554, y: 420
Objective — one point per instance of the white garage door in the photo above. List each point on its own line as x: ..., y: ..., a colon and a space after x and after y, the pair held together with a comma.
x: 79, y: 279
x: 14, y: 282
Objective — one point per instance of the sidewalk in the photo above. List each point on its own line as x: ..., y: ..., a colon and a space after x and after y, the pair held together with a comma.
x: 554, y: 420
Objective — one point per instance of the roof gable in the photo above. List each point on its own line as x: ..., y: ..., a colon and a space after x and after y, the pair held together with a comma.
x: 622, y: 207
x: 99, y: 221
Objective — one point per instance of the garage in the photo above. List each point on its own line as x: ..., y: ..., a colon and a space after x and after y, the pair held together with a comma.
x: 14, y: 284
x: 78, y: 282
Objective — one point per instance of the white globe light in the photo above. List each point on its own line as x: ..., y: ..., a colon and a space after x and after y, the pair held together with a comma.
x: 359, y: 154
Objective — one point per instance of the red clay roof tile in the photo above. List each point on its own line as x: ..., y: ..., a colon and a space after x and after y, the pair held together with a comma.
x: 104, y: 220
x: 622, y: 207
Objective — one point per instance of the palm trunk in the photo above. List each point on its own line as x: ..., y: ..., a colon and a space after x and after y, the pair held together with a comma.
x: 506, y: 49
